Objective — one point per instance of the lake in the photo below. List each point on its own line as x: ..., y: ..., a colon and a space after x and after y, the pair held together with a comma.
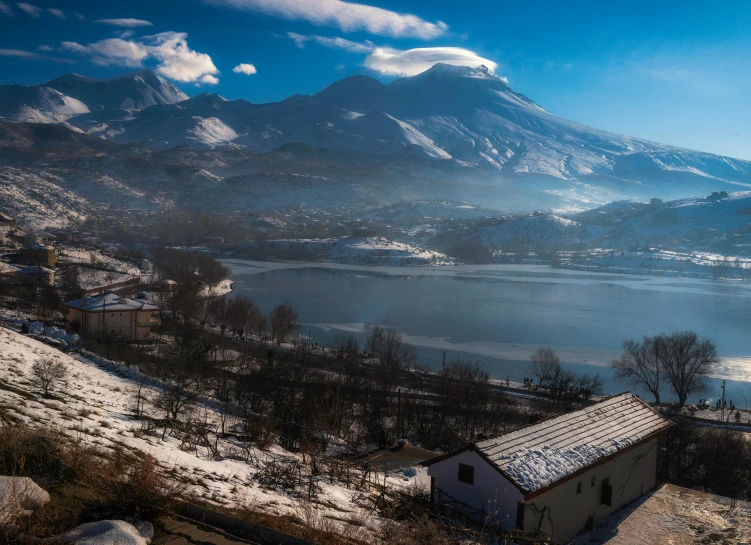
x: 499, y: 314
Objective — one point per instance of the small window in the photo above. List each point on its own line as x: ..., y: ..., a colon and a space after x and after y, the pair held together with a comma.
x: 466, y: 474
x: 594, y: 481
x: 579, y: 487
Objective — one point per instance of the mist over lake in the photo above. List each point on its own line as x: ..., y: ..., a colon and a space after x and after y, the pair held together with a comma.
x: 499, y: 314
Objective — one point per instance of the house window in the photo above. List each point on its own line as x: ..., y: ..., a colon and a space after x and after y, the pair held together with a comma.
x: 594, y: 481
x: 606, y: 493
x: 466, y: 474
x: 579, y: 487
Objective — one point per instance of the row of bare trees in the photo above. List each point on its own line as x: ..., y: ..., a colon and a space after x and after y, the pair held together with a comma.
x: 563, y: 384
x: 680, y: 361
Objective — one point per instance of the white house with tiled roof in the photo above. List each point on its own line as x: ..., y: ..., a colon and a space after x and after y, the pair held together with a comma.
x: 558, y: 476
x: 128, y: 319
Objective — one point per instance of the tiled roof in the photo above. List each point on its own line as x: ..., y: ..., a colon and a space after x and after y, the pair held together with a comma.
x: 536, y: 456
x: 109, y: 302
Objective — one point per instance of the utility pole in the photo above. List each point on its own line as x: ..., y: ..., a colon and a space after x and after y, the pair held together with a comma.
x: 722, y: 403
x: 399, y: 414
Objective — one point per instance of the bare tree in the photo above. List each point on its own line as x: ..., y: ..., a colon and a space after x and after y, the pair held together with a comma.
x: 283, y: 322
x: 640, y: 365
x: 47, y: 373
x: 545, y: 365
x: 218, y: 310
x: 242, y: 315
x: 175, y: 401
x: 686, y: 361
x: 346, y: 346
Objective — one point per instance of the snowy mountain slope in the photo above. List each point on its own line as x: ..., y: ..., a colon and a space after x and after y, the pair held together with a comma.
x: 134, y: 91
x: 720, y: 223
x: 54, y: 197
x: 94, y: 404
x: 37, y: 105
x: 449, y: 124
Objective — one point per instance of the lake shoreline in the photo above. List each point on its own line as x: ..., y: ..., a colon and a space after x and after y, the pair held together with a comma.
x: 498, y: 314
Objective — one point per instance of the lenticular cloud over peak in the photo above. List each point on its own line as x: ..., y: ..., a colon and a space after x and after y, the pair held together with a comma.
x: 393, y: 62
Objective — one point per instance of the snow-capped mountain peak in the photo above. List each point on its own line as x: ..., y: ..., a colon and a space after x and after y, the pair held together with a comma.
x: 133, y: 91
x: 469, y: 118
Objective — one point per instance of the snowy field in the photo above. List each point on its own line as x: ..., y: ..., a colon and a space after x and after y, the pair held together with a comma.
x: 675, y: 516
x: 86, y: 256
x: 95, y: 404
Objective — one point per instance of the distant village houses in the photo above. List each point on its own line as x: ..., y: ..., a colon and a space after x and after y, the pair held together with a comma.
x: 111, y: 314
x: 167, y: 286
x: 39, y: 238
x: 559, y: 476
x: 34, y: 275
x: 39, y: 254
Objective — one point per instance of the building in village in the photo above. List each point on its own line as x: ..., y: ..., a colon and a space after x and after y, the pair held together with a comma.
x: 34, y: 275
x: 120, y: 317
x: 39, y: 254
x: 41, y: 238
x: 559, y: 476
x: 167, y: 286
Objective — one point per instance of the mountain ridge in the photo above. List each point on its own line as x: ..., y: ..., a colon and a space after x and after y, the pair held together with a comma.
x: 466, y: 117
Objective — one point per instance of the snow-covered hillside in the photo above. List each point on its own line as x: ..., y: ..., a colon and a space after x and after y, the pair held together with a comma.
x: 719, y: 224
x: 361, y: 251
x: 37, y: 105
x: 95, y: 404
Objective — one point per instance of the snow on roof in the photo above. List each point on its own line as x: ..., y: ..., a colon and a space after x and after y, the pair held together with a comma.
x: 109, y: 301
x: 39, y: 247
x: 35, y: 269
x: 539, y: 455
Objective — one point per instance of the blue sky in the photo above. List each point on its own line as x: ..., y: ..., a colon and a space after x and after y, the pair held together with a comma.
x: 673, y: 72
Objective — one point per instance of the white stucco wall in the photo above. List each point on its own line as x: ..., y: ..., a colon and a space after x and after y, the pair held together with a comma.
x: 562, y: 513
x: 132, y: 325
x: 490, y: 491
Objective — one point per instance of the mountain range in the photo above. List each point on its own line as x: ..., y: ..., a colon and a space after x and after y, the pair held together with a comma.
x: 449, y: 132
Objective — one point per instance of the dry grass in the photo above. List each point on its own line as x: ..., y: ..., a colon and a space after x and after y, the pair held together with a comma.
x: 84, y: 483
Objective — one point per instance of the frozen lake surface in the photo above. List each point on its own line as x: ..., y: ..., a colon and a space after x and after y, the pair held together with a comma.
x: 499, y: 314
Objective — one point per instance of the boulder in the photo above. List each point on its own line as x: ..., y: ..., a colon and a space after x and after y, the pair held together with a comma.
x: 19, y: 496
x: 109, y: 532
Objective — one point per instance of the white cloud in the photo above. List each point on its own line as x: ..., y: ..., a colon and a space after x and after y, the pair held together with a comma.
x: 334, y: 43
x: 394, y: 62
x: 347, y: 16
x: 174, y: 59
x: 244, y: 68
x: 126, y: 23
x: 111, y: 51
x: 30, y: 9
x: 60, y: 14
x: 45, y: 48
x: 28, y: 55
x: 5, y: 9
x: 79, y: 15
x: 177, y: 61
